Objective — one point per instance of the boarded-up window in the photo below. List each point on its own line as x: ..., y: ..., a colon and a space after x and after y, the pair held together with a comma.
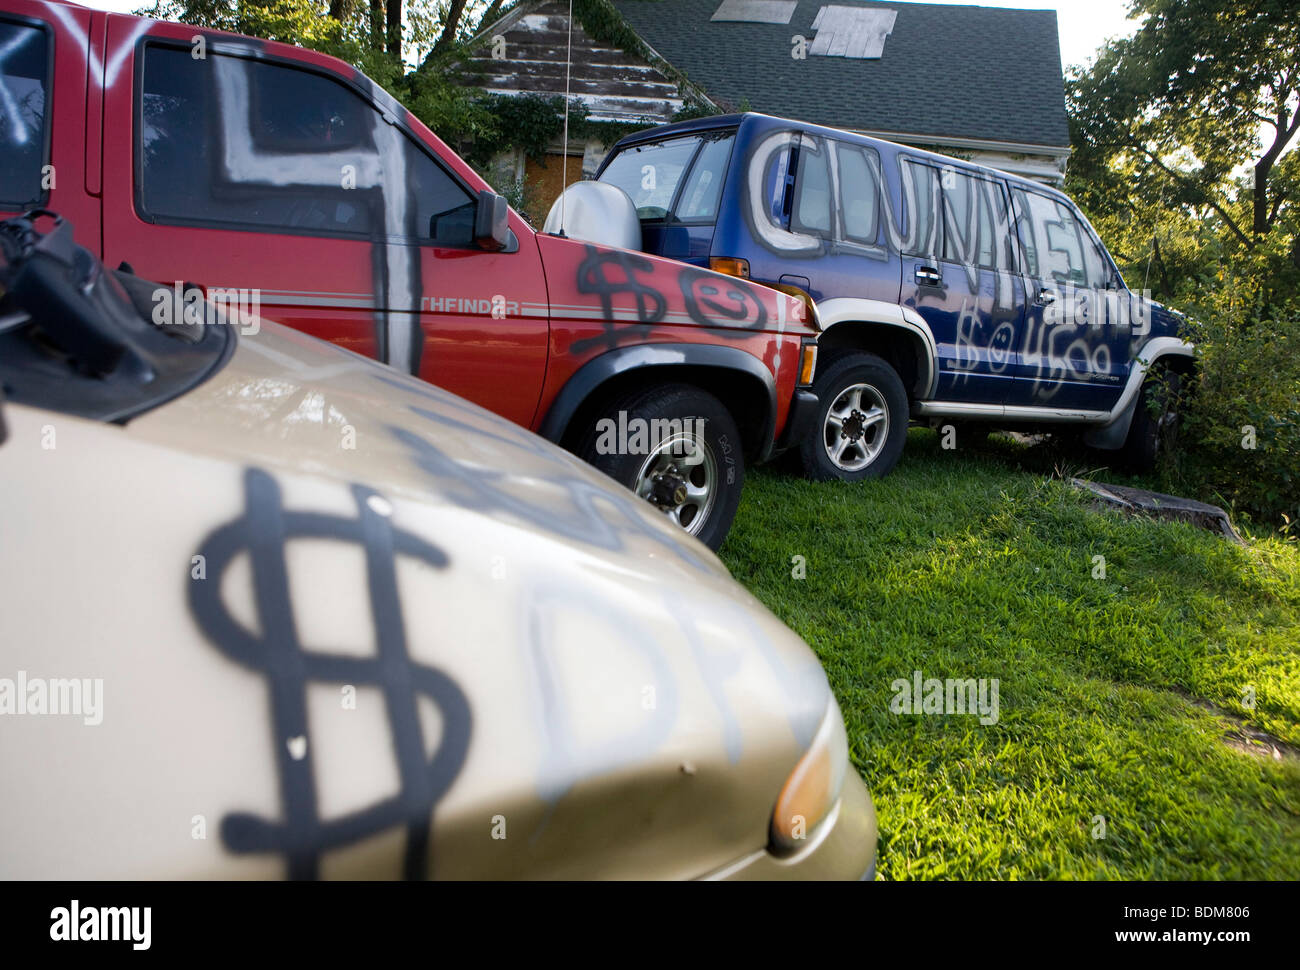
x: 546, y: 180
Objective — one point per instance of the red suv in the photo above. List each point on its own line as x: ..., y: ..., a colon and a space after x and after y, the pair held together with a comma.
x: 225, y: 163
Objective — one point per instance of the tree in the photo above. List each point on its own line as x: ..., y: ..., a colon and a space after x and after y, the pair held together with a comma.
x: 490, y: 14
x: 450, y: 24
x: 1187, y: 97
x: 1180, y: 136
x: 394, y: 44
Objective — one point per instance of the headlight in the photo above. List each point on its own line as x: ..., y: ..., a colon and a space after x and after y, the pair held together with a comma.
x: 813, y: 787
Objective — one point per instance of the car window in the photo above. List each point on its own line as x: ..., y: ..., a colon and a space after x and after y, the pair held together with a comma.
x: 975, y: 223
x: 812, y: 190
x: 1096, y: 262
x: 703, y: 188
x: 286, y: 123
x: 24, y: 100
x: 859, y: 192
x: 776, y: 187
x: 650, y: 174
x: 1057, y: 246
x: 921, y: 201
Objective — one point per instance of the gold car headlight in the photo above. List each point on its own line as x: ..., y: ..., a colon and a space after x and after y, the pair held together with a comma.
x: 813, y: 788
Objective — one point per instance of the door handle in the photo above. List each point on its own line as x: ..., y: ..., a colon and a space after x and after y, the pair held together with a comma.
x: 928, y: 276
x: 1045, y: 297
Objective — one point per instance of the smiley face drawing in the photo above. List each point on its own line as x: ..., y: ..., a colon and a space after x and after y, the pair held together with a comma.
x: 1000, y: 347
x: 713, y: 299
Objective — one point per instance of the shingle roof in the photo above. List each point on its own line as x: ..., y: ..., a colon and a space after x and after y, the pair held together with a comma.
x: 987, y: 73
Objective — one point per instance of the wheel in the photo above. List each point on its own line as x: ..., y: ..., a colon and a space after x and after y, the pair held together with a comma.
x: 862, y: 420
x: 1154, y: 431
x: 679, y: 449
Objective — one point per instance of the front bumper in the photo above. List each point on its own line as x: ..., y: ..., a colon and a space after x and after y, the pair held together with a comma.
x: 844, y: 848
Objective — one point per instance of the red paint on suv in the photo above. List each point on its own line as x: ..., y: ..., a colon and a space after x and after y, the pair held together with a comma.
x: 235, y: 163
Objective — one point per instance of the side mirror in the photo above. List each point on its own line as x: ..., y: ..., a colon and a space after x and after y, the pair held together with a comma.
x: 491, y: 222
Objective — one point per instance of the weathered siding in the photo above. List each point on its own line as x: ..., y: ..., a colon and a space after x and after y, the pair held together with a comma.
x: 613, y: 85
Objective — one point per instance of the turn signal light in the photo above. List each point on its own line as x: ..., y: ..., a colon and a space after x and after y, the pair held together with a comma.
x: 807, y: 364
x: 730, y: 266
x: 813, y: 788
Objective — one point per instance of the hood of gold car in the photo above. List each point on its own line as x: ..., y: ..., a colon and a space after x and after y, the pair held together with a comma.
x: 346, y: 624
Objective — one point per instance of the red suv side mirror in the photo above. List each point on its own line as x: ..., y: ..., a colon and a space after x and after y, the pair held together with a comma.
x: 491, y: 225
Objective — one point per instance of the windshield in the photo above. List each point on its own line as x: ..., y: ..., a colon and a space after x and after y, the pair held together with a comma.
x: 650, y: 174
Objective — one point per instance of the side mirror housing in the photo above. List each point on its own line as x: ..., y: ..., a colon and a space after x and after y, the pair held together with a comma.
x: 491, y: 222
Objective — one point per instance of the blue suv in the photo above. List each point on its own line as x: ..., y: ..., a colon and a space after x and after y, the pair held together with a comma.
x: 947, y: 292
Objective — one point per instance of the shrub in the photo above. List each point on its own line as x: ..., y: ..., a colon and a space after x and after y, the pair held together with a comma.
x: 1240, y: 440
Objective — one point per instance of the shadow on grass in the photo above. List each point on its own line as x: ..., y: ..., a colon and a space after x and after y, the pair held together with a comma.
x: 974, y: 564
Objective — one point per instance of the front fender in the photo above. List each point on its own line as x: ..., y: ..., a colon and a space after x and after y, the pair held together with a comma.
x: 599, y: 371
x: 1113, y: 433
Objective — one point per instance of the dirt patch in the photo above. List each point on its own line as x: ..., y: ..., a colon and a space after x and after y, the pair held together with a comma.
x: 1259, y: 745
x: 1244, y: 738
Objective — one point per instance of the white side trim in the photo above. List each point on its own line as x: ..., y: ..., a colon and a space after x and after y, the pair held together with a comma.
x: 1012, y: 412
x: 843, y: 309
x: 1152, y: 350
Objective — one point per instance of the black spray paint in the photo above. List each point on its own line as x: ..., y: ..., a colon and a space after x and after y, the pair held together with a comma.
x: 301, y: 835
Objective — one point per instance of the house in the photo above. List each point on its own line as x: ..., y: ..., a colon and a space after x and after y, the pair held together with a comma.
x: 981, y: 83
x: 528, y: 52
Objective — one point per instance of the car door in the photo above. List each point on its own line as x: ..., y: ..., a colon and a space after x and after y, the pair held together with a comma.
x: 44, y: 54
x: 283, y: 181
x: 958, y: 273
x: 1074, y: 353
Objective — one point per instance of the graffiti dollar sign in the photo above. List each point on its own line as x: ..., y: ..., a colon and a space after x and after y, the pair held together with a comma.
x: 302, y: 835
x: 592, y: 278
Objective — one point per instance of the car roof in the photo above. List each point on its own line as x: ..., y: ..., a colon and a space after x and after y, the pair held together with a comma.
x: 748, y: 118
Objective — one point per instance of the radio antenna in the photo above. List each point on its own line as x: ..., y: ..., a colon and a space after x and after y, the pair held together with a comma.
x: 564, y: 165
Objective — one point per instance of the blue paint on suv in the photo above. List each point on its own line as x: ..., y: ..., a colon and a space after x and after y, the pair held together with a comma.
x: 948, y: 291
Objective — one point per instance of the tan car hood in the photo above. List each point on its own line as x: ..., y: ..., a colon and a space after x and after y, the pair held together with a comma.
x: 329, y: 603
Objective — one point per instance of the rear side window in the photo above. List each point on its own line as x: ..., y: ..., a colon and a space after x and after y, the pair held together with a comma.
x: 812, y: 200
x: 24, y: 113
x: 258, y: 145
x: 859, y: 192
x: 777, y: 191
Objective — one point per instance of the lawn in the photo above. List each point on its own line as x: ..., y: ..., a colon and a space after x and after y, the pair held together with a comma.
x: 1130, y: 706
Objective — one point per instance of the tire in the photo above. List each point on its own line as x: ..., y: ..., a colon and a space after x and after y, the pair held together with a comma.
x: 694, y: 479
x: 851, y: 381
x: 1154, y: 431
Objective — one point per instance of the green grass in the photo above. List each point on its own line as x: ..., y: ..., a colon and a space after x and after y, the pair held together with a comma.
x: 965, y: 564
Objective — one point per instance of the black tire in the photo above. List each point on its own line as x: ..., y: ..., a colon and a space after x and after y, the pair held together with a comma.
x: 1154, y: 431
x: 879, y: 442
x: 662, y: 473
